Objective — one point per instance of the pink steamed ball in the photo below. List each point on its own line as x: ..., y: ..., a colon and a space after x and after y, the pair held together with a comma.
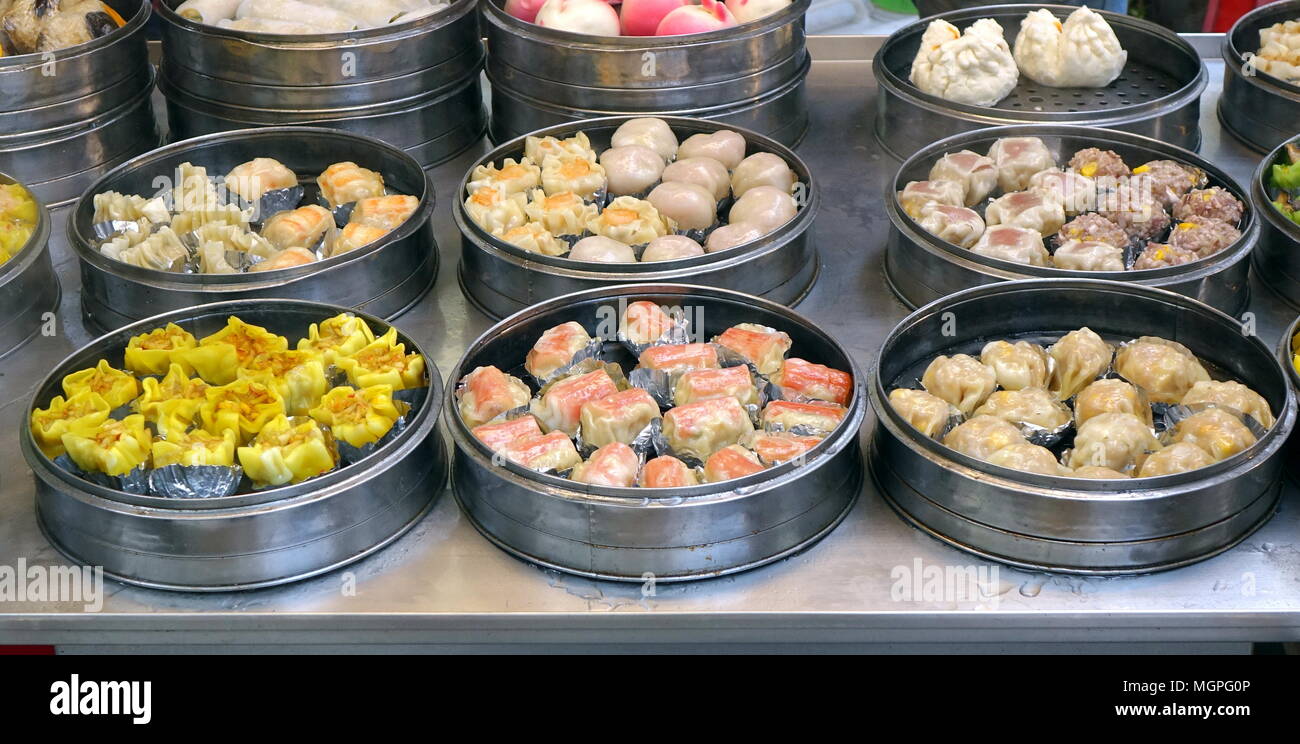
x: 711, y: 15
x: 524, y: 10
x: 642, y: 17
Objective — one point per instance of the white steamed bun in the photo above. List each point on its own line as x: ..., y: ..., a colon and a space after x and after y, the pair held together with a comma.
x: 974, y: 68
x: 1081, y: 53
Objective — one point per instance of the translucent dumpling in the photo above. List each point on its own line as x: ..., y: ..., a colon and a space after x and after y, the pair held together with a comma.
x: 1166, y: 370
x: 1020, y: 245
x: 982, y: 436
x: 977, y: 174
x: 1081, y: 357
x: 1018, y: 159
x: 1231, y: 395
x: 1027, y: 457
x: 1215, y: 430
x: 961, y: 380
x: 1176, y: 458
x: 1119, y: 441
x: 1029, y: 406
x: 928, y: 413
x: 1110, y: 396
x: 1028, y: 209
x: 957, y: 225
x: 1018, y: 365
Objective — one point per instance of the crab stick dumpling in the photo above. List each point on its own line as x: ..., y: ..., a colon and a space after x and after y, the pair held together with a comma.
x: 816, y: 417
x: 1081, y: 356
x: 346, y: 182
x: 560, y: 406
x: 981, y: 436
x: 487, y: 392
x: 644, y: 322
x: 1232, y: 395
x: 765, y: 206
x: 594, y: 17
x: 614, y: 464
x: 671, y: 248
x: 631, y: 169
x: 691, y: 206
x: 702, y: 384
x: 630, y: 220
x: 704, y: 172
x: 762, y: 169
x: 533, y: 238
x: 303, y: 227
x: 538, y: 149
x: 1166, y: 370
x: 555, y: 349
x: 1119, y: 441
x: 929, y: 414
x: 1020, y: 245
x: 776, y: 447
x: 725, y: 146
x: 957, y: 225
x: 601, y: 249
x: 917, y: 195
x: 977, y: 174
x: 1018, y: 159
x: 960, y: 379
x: 730, y: 463
x: 494, y: 211
x: 679, y: 357
x: 512, y: 177
x: 699, y: 429
x: 761, y: 346
x: 733, y: 235
x: 387, y: 212
x: 551, y: 452
x: 256, y: 177
x: 561, y: 213
x: 648, y: 132
x: 497, y: 435
x: 1110, y: 396
x: 667, y: 471
x: 1028, y: 209
x: 620, y: 417
x: 1017, y: 366
x: 574, y: 174
x: 816, y: 381
x: 1218, y: 431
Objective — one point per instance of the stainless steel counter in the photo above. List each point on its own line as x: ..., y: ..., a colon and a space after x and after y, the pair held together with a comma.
x: 443, y: 586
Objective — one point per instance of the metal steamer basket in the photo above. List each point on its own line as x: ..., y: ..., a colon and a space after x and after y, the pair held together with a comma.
x: 1258, y: 109
x: 1064, y: 524
x: 1286, y: 356
x: 1158, y: 93
x: 1276, y: 262
x: 501, y: 279
x: 249, y: 540
x: 414, y: 85
x: 750, y: 76
x: 66, y: 117
x: 674, y: 534
x: 383, y: 278
x: 920, y: 267
x: 29, y: 289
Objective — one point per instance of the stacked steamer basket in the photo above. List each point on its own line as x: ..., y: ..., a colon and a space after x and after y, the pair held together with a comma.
x: 1258, y: 108
x: 28, y: 287
x: 501, y: 278
x: 922, y: 267
x: 413, y: 84
x: 1157, y: 94
x: 751, y: 75
x: 672, y: 533
x: 384, y: 277
x: 1276, y: 262
x: 1287, y: 350
x: 68, y: 116
x: 191, y: 541
x: 1065, y: 522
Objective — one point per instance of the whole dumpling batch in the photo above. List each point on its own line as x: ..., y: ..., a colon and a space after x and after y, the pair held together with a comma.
x: 1145, y: 408
x: 979, y: 68
x: 259, y: 217
x: 1279, y: 51
x: 18, y: 218
x: 305, y: 17
x: 642, y: 17
x: 688, y: 412
x: 233, y: 412
x: 648, y: 197
x: 1094, y: 214
x: 36, y: 26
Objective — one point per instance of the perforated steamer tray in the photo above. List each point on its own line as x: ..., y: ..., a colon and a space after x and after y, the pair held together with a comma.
x: 1157, y: 95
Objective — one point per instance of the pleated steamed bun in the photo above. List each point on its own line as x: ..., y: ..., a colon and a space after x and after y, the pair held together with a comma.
x: 975, y: 67
x: 1083, y: 52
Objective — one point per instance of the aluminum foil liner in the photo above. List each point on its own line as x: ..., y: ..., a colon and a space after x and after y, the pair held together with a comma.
x: 642, y: 443
x: 105, y: 230
x: 350, y: 455
x: 273, y: 202
x: 1168, y: 419
x: 195, y: 481
x: 413, y: 397
x: 590, y: 351
x: 678, y: 333
x: 136, y: 481
x: 657, y: 382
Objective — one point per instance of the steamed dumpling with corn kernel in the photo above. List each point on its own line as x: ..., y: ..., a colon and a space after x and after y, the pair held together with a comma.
x: 975, y: 67
x: 1083, y: 52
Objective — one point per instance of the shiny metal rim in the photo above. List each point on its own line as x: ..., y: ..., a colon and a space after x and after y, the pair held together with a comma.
x: 395, y: 32
x: 135, y: 22
x: 1234, y: 55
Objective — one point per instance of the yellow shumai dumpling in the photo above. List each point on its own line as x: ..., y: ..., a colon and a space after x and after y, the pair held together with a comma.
x: 172, y: 403
x: 151, y: 353
x: 117, y: 387
x: 564, y: 213
x: 243, y: 406
x: 493, y: 211
x: 342, y: 335
x: 538, y: 149
x: 197, y: 447
x: 217, y: 357
x: 297, y: 376
x: 577, y: 174
x: 79, y: 414
x: 630, y: 220
x: 358, y: 417
x: 384, y: 362
x: 287, y: 451
x: 114, y: 448
x: 513, y: 177
x: 534, y: 238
